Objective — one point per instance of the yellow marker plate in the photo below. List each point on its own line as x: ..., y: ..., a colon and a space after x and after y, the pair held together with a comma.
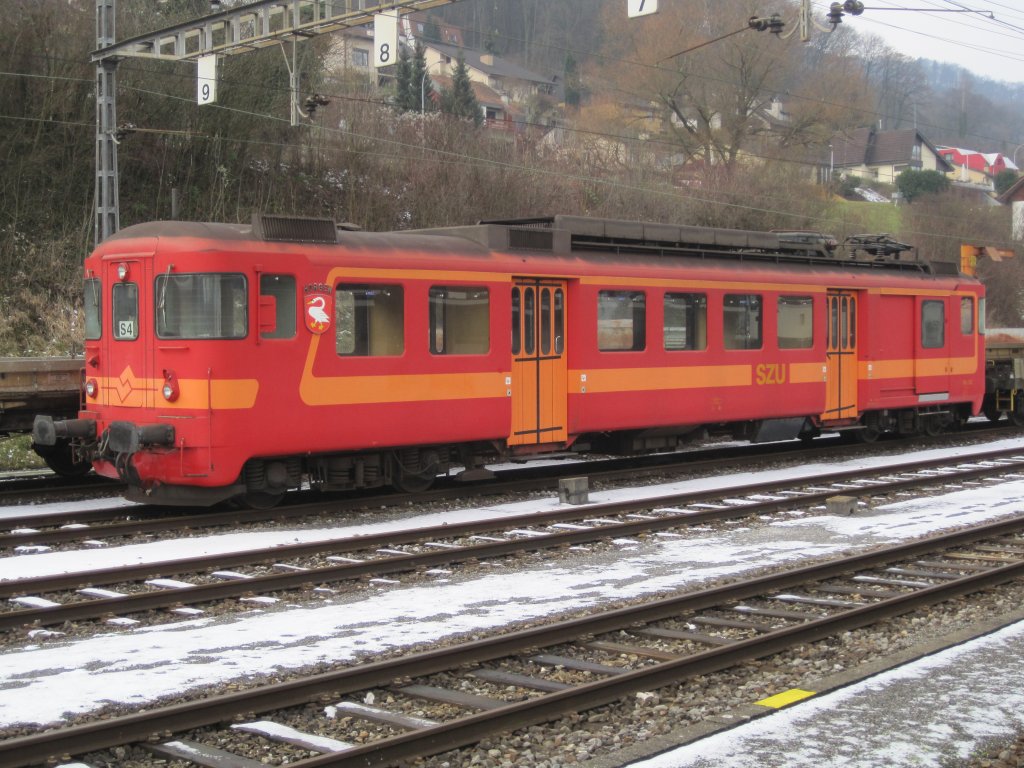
x: 784, y: 699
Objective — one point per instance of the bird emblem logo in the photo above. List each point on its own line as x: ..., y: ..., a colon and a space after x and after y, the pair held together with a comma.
x: 318, y: 308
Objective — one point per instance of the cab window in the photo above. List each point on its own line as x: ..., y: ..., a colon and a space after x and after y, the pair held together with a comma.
x: 201, y: 306
x: 93, y: 308
x: 933, y: 324
x: 125, y: 311
x: 966, y: 315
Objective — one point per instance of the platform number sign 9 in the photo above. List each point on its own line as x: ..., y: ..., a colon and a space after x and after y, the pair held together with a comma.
x: 636, y: 8
x: 385, y: 39
x: 206, y: 82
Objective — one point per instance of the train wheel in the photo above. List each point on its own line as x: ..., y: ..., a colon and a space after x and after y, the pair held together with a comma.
x: 931, y: 425
x: 408, y: 482
x: 992, y: 414
x: 262, y: 499
x: 1017, y: 417
x: 868, y: 434
x: 61, y: 459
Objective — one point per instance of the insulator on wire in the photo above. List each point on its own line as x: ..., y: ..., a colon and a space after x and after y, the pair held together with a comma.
x: 835, y: 14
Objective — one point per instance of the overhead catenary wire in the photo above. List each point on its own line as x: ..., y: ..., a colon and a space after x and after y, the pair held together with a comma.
x: 459, y: 159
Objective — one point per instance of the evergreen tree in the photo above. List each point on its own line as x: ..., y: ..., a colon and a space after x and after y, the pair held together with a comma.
x: 573, y: 85
x: 460, y: 101
x: 403, y: 81
x: 413, y: 82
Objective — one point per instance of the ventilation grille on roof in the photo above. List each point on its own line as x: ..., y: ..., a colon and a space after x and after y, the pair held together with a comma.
x: 532, y: 239
x: 294, y: 229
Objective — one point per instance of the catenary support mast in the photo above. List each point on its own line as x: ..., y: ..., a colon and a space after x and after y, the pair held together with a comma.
x: 239, y: 29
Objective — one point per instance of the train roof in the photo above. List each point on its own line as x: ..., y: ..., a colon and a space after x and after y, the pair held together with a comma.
x: 591, y: 239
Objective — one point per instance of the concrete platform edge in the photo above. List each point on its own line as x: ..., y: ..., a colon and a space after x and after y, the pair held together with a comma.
x: 697, y: 731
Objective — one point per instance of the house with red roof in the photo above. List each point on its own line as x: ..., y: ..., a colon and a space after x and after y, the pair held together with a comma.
x: 975, y: 168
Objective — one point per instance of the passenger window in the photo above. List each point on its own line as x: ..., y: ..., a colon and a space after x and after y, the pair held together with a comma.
x: 741, y: 321
x: 282, y: 288
x: 517, y: 319
x: 686, y: 321
x: 529, y: 330
x: 966, y: 315
x: 125, y: 306
x: 369, y: 320
x: 933, y: 324
x: 621, y: 321
x: 796, y: 322
x: 93, y: 308
x: 545, y: 321
x: 981, y: 316
x: 460, y: 320
x: 201, y: 306
x: 559, y: 321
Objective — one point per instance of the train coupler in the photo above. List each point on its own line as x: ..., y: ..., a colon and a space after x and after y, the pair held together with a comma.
x: 46, y: 431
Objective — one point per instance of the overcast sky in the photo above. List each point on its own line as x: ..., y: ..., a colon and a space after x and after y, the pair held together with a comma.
x: 991, y: 48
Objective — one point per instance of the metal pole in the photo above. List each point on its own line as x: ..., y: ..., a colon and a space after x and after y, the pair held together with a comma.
x: 107, y: 220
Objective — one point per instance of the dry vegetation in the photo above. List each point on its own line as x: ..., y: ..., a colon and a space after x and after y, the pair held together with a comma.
x: 361, y: 161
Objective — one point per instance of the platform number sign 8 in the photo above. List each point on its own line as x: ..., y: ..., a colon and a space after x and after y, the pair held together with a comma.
x: 636, y: 8
x: 385, y: 39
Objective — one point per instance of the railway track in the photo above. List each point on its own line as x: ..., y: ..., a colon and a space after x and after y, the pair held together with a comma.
x: 122, y: 591
x: 498, y: 684
x: 32, y: 528
x: 40, y: 486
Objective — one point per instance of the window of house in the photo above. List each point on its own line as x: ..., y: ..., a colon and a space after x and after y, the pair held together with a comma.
x: 282, y: 288
x: 369, y: 320
x: 967, y: 315
x: 741, y: 321
x: 460, y: 320
x: 796, y: 322
x: 686, y: 321
x: 360, y: 58
x: 933, y: 324
x: 125, y: 309
x: 621, y: 321
x: 93, y: 309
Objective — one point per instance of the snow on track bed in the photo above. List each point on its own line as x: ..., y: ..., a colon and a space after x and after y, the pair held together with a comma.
x: 51, y: 682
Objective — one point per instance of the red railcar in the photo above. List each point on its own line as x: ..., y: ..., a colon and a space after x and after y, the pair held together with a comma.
x: 230, y: 360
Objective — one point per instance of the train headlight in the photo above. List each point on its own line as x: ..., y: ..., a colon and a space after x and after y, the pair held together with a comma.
x: 92, y: 388
x: 170, y: 389
x: 122, y: 271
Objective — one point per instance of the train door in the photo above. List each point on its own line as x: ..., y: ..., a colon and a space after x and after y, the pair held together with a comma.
x: 841, y: 356
x: 126, y: 339
x: 931, y: 357
x: 538, y: 361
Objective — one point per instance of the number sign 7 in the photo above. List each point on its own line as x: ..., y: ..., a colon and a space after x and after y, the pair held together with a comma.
x: 636, y: 8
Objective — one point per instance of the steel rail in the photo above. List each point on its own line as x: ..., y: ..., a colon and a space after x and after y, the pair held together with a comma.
x: 520, y: 479
x: 79, y: 739
x: 166, y: 598
x: 159, y: 519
